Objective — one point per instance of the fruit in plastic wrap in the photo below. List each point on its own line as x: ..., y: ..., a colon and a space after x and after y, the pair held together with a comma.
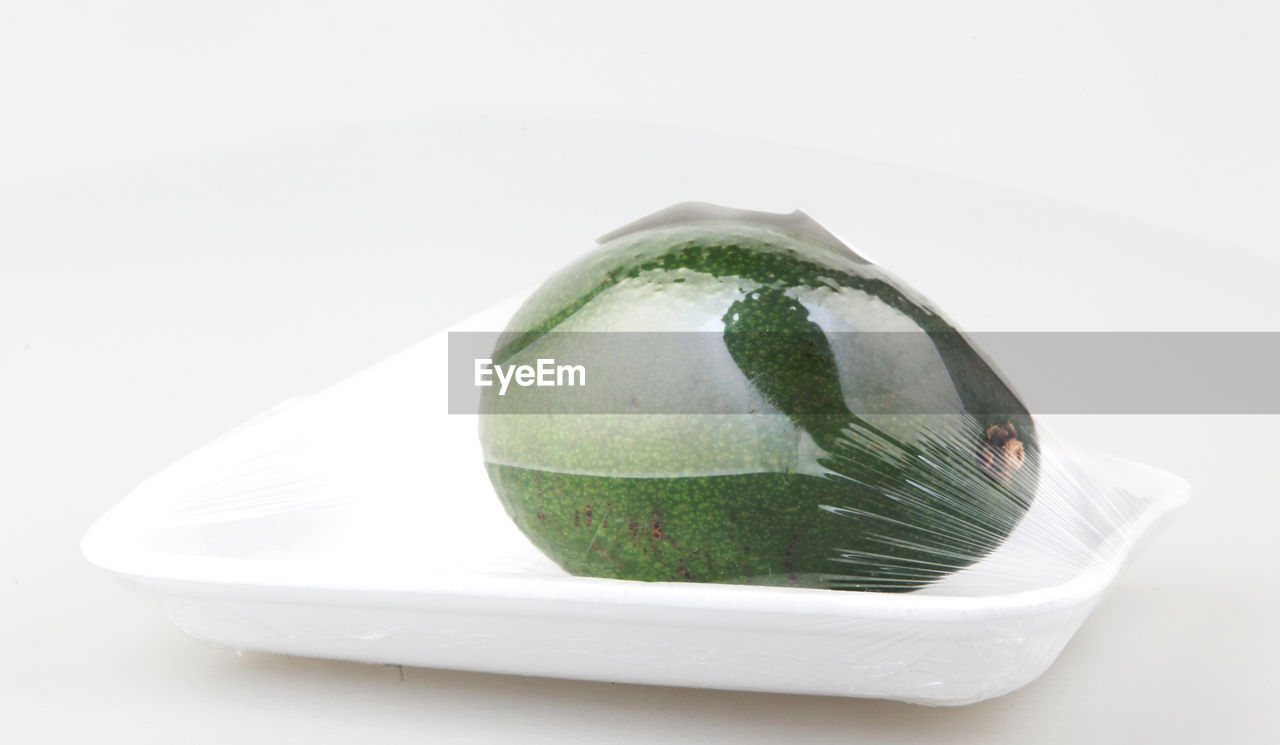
x: 806, y: 420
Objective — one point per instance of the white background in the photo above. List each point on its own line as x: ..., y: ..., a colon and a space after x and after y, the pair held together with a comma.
x: 156, y: 163
x: 1163, y: 111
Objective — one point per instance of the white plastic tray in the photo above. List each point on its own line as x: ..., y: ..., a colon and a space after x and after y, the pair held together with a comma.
x: 358, y: 523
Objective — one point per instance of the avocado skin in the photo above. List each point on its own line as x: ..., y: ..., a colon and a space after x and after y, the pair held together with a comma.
x: 743, y: 528
x: 881, y: 508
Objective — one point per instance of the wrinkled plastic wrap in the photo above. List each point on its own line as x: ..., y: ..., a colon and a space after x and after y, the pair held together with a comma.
x: 361, y: 523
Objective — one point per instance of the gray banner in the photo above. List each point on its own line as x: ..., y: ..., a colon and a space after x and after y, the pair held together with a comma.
x: 878, y: 372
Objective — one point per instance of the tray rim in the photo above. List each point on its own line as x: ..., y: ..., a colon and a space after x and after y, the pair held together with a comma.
x: 110, y: 544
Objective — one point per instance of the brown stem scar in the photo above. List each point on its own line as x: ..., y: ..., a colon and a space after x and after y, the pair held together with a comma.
x: 1002, y: 452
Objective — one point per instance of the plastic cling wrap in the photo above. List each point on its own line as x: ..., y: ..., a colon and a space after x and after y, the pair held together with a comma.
x: 781, y: 469
x: 834, y: 429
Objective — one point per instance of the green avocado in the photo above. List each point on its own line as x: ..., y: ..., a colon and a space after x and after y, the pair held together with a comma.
x: 806, y: 420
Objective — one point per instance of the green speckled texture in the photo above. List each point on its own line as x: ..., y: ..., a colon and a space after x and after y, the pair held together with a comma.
x: 807, y: 486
